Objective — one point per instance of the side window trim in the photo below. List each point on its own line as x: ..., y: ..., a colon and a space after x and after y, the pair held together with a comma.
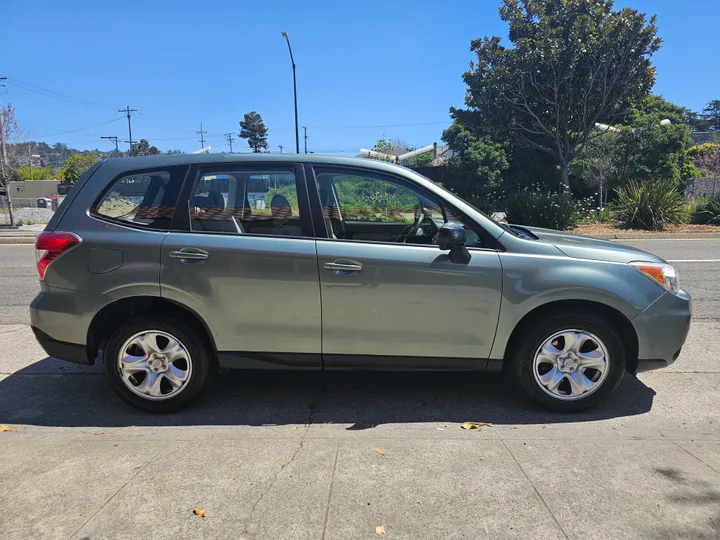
x: 359, y: 171
x: 181, y: 221
x: 320, y: 225
x: 91, y: 211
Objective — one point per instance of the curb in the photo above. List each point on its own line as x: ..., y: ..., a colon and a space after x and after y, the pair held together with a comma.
x: 658, y: 236
x: 25, y: 239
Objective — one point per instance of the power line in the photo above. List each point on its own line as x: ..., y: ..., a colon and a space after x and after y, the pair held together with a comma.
x: 202, y: 136
x: 29, y: 87
x: 78, y: 129
x: 444, y: 122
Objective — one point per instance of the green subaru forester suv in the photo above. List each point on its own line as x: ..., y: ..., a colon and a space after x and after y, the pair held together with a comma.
x: 170, y: 267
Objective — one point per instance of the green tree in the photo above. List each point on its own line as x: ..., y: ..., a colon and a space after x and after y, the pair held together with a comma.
x: 143, y: 148
x: 76, y: 165
x: 478, y: 162
x: 648, y: 150
x: 573, y: 63
x: 38, y: 173
x: 253, y: 129
x: 384, y: 146
x: 711, y: 114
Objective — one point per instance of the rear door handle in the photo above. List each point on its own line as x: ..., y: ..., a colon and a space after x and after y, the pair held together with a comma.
x: 343, y: 267
x: 190, y: 254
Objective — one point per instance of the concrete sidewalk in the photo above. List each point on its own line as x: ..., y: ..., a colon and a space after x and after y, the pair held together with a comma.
x: 293, y: 456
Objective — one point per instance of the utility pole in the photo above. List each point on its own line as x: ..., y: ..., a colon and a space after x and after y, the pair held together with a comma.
x: 305, y: 137
x: 128, y: 110
x: 280, y: 146
x: 228, y: 137
x: 4, y: 172
x: 115, y: 140
x: 202, y: 136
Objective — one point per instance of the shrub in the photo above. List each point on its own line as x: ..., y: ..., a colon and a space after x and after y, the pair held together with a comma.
x: 597, y: 215
x: 538, y: 208
x: 651, y: 205
x: 706, y: 211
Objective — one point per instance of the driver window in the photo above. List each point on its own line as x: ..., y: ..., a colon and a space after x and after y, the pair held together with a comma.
x: 359, y: 205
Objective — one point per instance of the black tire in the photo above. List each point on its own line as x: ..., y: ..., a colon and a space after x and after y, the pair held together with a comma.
x: 202, y: 365
x: 534, y: 335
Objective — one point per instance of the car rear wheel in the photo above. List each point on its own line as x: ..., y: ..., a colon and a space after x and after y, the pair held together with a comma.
x: 156, y: 363
x: 569, y: 361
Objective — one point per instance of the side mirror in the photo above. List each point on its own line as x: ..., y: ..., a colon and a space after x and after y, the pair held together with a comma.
x: 452, y: 236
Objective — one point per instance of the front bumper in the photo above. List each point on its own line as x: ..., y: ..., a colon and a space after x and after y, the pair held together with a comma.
x: 662, y: 329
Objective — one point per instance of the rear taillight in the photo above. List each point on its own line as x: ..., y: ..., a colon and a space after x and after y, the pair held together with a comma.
x: 51, y: 245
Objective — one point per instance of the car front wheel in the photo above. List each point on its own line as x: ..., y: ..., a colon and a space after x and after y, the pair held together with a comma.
x: 156, y: 363
x: 570, y: 362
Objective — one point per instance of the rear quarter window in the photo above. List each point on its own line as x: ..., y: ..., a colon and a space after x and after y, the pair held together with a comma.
x: 145, y: 199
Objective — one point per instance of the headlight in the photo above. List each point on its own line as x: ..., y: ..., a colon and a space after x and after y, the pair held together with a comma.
x: 664, y: 274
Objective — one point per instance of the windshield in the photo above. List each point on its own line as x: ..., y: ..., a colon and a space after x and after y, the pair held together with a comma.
x: 500, y: 224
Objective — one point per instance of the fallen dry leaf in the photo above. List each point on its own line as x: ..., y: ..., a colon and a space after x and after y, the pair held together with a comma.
x: 199, y: 512
x: 99, y: 433
x: 380, y: 529
x: 4, y: 427
x: 379, y: 451
x: 474, y: 425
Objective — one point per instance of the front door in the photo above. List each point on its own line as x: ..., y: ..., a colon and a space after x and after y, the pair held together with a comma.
x: 245, y: 262
x: 390, y: 298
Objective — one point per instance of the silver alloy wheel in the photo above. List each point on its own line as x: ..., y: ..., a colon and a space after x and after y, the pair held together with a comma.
x: 571, y: 364
x: 154, y: 365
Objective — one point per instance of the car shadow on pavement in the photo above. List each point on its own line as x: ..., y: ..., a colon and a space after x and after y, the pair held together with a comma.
x: 41, y: 394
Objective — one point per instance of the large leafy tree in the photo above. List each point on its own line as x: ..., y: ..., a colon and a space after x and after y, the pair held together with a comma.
x: 143, y: 148
x: 573, y: 63
x: 478, y: 162
x: 253, y: 129
x: 76, y: 165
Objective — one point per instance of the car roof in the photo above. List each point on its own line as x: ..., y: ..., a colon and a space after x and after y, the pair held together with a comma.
x: 141, y: 162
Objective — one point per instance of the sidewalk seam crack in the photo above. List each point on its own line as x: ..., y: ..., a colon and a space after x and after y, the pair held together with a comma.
x: 535, y: 489
x: 332, y: 484
x: 148, y: 462
x: 694, y: 456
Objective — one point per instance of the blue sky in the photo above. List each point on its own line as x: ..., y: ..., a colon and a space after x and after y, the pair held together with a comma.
x: 365, y: 70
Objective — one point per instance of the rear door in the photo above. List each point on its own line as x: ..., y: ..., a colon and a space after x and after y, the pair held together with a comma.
x: 390, y: 298
x: 242, y: 256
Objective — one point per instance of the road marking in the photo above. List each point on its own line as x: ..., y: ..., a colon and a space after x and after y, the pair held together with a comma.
x: 694, y: 260
x: 713, y: 239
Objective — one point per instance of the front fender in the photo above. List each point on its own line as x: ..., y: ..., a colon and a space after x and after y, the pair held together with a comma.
x: 531, y: 281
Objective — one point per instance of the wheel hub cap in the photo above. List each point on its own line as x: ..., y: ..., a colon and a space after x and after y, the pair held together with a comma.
x: 571, y: 364
x: 154, y: 365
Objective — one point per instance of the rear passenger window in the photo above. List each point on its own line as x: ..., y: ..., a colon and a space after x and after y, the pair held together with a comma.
x: 145, y: 198
x: 246, y: 201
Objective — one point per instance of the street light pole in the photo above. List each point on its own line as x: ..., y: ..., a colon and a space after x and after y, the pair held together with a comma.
x: 292, y: 60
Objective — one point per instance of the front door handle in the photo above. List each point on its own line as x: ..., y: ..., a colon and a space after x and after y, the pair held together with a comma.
x: 190, y: 254
x: 343, y: 267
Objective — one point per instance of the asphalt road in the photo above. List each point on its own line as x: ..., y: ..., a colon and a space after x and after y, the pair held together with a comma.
x: 296, y: 455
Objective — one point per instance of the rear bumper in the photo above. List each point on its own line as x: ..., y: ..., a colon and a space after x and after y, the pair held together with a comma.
x: 71, y: 352
x: 60, y: 319
x: 662, y: 329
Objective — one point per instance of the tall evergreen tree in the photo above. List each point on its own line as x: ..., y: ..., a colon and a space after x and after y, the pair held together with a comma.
x: 253, y: 129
